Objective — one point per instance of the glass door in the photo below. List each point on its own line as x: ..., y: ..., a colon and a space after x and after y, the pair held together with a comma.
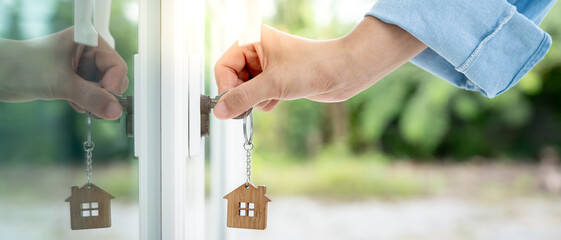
x: 41, y: 136
x: 161, y: 193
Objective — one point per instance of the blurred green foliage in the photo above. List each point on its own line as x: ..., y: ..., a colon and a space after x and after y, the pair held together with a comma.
x: 334, y: 173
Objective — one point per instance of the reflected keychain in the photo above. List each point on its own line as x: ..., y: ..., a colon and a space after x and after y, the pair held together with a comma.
x: 90, y: 206
x: 247, y: 205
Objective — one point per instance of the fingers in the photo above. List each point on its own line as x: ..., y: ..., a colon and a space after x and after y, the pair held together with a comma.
x: 227, y: 68
x: 76, y: 107
x: 114, y: 70
x: 268, y: 105
x: 245, y: 96
x: 261, y: 105
x: 237, y: 65
x: 91, y: 97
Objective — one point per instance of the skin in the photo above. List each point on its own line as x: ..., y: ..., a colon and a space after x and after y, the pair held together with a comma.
x: 286, y: 67
x: 54, y: 67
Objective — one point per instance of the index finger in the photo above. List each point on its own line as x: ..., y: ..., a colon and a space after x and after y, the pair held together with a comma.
x: 227, y: 68
x: 236, y: 65
x: 113, y: 68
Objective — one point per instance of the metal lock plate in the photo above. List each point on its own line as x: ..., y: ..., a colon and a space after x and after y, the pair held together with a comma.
x: 206, y: 105
x: 127, y: 103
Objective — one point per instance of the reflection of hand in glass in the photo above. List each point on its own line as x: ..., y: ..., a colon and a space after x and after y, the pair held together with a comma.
x: 54, y: 67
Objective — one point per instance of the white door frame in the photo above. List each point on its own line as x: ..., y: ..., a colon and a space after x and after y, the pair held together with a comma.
x: 227, y: 157
x: 147, y: 119
x: 168, y: 75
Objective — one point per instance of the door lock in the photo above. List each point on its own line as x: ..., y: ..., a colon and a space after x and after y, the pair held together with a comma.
x: 127, y: 103
x: 208, y: 104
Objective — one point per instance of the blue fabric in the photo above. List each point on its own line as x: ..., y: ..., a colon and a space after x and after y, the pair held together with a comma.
x: 479, y: 45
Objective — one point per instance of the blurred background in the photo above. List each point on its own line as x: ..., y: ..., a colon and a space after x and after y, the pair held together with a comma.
x: 410, y: 158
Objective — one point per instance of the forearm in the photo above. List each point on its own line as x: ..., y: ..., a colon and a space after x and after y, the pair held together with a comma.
x: 23, y: 65
x: 335, y: 70
x: 10, y: 68
x: 376, y: 48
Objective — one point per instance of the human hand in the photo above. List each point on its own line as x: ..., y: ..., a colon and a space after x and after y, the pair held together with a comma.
x: 286, y: 67
x: 54, y: 67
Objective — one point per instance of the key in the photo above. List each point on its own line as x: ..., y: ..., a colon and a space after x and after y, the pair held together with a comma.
x: 207, y: 104
x: 127, y: 103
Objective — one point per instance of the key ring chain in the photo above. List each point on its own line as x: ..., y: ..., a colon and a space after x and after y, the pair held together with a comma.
x: 248, y: 144
x: 90, y: 206
x: 247, y: 204
x: 89, y: 146
x: 248, y: 128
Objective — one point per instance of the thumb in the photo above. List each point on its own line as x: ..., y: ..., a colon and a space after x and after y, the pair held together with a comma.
x: 243, y: 97
x: 93, y: 98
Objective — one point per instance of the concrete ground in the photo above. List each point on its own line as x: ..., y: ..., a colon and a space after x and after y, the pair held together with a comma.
x: 432, y: 218
x: 309, y: 218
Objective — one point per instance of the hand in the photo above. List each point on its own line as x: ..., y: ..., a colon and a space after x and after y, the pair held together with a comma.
x: 54, y: 67
x: 285, y: 67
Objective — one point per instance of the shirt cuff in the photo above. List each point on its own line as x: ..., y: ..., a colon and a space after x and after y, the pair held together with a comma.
x: 481, y: 45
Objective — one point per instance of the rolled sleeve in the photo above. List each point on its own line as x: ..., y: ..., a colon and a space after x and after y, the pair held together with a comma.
x: 534, y: 10
x: 480, y: 45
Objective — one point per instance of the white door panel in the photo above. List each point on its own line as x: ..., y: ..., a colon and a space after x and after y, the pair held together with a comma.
x: 169, y: 73
x: 171, y: 182
x: 227, y: 156
x: 147, y: 119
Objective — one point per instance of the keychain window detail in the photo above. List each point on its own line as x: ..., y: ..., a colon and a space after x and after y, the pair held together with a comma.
x: 90, y: 209
x: 247, y: 209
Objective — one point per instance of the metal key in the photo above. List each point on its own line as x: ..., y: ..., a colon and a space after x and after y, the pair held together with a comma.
x: 207, y: 104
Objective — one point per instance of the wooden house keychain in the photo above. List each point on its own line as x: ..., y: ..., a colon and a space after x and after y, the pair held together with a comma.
x: 247, y: 205
x: 90, y: 206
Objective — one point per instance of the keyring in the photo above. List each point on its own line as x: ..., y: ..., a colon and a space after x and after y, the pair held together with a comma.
x: 248, y: 115
x: 88, y: 146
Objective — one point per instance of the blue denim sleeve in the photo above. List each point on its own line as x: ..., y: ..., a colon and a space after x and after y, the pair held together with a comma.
x: 479, y: 45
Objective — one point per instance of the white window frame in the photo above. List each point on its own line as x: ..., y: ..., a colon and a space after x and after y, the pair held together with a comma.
x: 227, y: 157
x: 169, y: 75
x: 171, y: 180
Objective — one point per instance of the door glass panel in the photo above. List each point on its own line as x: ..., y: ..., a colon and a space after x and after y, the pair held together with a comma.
x: 41, y: 133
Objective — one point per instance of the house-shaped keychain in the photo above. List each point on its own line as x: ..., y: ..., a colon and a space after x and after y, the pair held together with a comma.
x: 247, y: 207
x: 90, y: 207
